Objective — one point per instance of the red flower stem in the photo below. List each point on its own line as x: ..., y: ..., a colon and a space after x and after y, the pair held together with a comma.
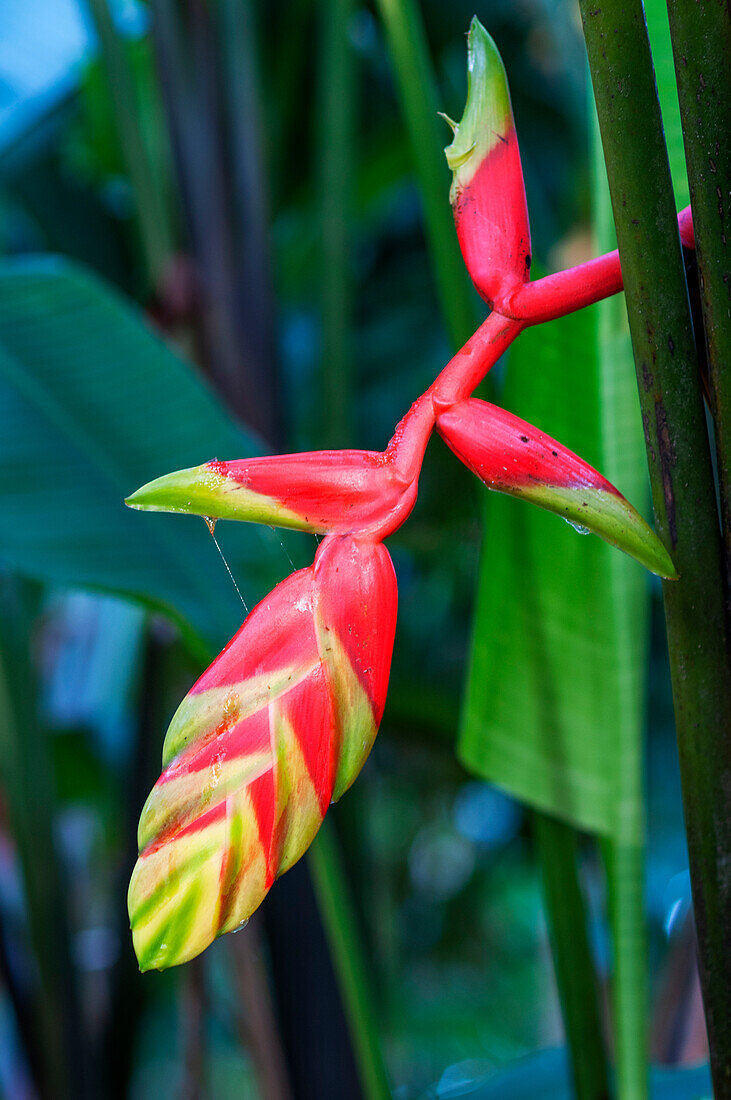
x: 544, y: 300
x: 566, y: 291
x: 455, y: 382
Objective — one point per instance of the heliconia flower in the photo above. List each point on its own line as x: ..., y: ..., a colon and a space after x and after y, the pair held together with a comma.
x: 513, y: 457
x: 319, y: 491
x: 487, y: 193
x: 275, y: 729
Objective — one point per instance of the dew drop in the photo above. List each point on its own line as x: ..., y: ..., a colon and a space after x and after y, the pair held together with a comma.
x: 239, y: 927
x: 578, y: 527
x: 210, y: 523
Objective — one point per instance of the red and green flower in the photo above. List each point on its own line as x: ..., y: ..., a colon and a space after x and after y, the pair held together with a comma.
x: 282, y: 721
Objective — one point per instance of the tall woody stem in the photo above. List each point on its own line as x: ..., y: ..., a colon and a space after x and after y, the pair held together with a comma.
x: 680, y: 475
x: 701, y: 34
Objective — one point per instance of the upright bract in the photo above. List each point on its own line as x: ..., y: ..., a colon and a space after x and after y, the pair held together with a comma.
x: 277, y: 728
x: 488, y: 194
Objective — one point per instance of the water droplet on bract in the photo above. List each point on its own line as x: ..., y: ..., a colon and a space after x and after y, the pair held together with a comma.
x: 578, y: 527
x: 238, y: 928
x: 210, y: 523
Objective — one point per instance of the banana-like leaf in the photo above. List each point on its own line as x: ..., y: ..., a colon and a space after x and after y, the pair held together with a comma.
x: 93, y: 404
x: 553, y: 699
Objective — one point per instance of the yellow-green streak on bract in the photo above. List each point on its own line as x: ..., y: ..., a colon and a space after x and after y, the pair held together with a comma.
x: 299, y: 814
x: 186, y: 797
x: 354, y: 711
x: 203, y: 491
x: 488, y: 115
x: 604, y: 513
x: 202, y: 714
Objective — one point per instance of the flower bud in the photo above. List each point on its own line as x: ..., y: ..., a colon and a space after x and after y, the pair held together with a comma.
x: 487, y: 193
x: 276, y: 728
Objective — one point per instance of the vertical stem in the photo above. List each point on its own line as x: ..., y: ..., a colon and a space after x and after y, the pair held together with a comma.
x: 574, y: 966
x: 680, y: 475
x: 27, y: 786
x: 245, y: 174
x: 340, y: 922
x: 152, y: 211
x: 417, y: 90
x: 335, y: 127
x: 701, y: 35
x: 628, y: 597
x: 624, y: 865
x: 257, y: 1021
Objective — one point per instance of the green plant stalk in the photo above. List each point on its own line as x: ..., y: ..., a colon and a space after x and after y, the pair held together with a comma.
x: 624, y: 852
x: 339, y: 919
x: 335, y: 128
x: 624, y: 867
x: 417, y: 91
x: 27, y: 786
x: 680, y: 475
x: 576, y: 978
x: 150, y: 205
x: 417, y: 87
x: 701, y: 36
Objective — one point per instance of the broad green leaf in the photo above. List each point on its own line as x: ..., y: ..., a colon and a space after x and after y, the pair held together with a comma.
x: 92, y: 405
x: 554, y: 684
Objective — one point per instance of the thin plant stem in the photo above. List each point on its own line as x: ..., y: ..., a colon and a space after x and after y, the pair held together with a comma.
x: 339, y: 919
x: 576, y: 977
x: 417, y: 91
x: 623, y: 852
x: 153, y: 216
x: 624, y: 867
x: 27, y: 785
x: 680, y: 475
x: 336, y: 124
x: 701, y: 37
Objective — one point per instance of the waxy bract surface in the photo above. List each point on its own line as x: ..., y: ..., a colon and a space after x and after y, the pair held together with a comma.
x: 321, y: 491
x: 277, y: 728
x: 488, y: 194
x: 514, y: 457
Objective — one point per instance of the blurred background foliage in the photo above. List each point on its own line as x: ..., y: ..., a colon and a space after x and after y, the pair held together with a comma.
x: 242, y: 175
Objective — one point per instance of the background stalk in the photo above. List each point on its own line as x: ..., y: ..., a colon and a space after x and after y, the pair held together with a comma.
x: 417, y: 89
x: 339, y: 919
x: 151, y: 207
x: 680, y: 475
x: 25, y: 753
x: 335, y: 128
x: 701, y: 36
x: 576, y: 978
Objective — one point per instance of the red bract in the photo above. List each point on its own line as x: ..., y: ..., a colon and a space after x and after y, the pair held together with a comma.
x: 513, y: 457
x: 277, y: 728
x: 488, y: 195
x: 321, y: 491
